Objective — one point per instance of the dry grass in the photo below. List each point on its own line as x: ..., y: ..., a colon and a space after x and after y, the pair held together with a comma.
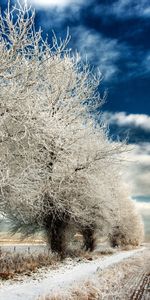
x: 82, y: 254
x: 105, y: 251
x: 88, y: 292
x: 12, y: 264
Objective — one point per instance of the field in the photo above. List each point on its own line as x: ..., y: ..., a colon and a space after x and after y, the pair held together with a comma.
x: 106, y: 274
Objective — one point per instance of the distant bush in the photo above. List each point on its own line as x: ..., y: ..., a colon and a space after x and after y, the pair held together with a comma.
x: 129, y: 230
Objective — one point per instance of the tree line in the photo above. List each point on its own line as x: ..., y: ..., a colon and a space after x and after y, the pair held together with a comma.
x: 58, y: 166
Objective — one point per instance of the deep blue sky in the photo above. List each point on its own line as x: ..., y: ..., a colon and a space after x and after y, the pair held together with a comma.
x: 114, y: 35
x: 126, y: 37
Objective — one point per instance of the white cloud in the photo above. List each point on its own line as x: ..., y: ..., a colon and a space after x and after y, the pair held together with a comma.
x: 124, y: 9
x: 137, y: 172
x: 143, y: 208
x: 147, y: 11
x: 146, y: 63
x: 106, y: 54
x: 103, y: 51
x: 60, y: 3
x: 122, y: 119
x: 131, y: 8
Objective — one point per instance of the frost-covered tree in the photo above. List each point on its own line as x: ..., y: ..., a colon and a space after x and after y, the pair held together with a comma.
x: 128, y: 229
x: 56, y: 164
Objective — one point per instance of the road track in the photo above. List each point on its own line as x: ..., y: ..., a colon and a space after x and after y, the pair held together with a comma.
x: 142, y: 289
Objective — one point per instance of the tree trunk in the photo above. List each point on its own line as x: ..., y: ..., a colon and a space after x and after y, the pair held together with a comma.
x: 58, y: 237
x: 89, y: 239
x: 56, y: 234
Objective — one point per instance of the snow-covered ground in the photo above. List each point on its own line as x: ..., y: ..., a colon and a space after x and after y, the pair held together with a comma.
x: 68, y: 274
x: 35, y: 248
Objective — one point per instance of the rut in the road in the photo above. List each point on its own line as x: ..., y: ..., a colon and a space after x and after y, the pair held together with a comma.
x: 142, y: 289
